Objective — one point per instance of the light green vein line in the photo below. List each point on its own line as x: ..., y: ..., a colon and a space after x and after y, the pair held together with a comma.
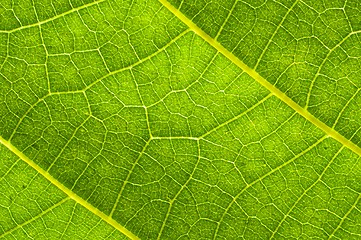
x: 275, y: 32
x: 171, y: 202
x: 278, y: 93
x: 266, y: 175
x: 345, y: 217
x: 53, y: 18
x: 67, y: 191
x: 97, y: 81
x: 128, y: 176
x: 159, y: 50
x: 305, y: 192
x: 323, y: 64
x: 226, y: 20
x: 238, y: 116
x: 34, y: 218
x: 345, y: 107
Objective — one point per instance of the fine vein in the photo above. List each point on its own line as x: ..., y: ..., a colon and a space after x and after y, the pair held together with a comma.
x: 67, y: 191
x: 54, y: 17
x: 251, y: 72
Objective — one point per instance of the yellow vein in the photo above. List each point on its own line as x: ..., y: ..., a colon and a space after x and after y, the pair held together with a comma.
x: 67, y: 191
x: 323, y: 64
x: 305, y: 192
x: 275, y: 32
x: 53, y: 18
x: 278, y: 168
x: 128, y: 176
x: 98, y: 80
x: 237, y: 116
x: 226, y: 20
x: 159, y: 50
x: 345, y: 107
x: 345, y: 217
x: 34, y: 218
x: 171, y: 202
x: 278, y: 93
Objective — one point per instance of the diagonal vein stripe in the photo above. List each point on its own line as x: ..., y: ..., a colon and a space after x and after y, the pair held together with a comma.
x: 251, y: 72
x: 68, y: 192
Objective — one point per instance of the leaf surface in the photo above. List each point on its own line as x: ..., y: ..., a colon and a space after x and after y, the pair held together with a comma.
x: 180, y: 119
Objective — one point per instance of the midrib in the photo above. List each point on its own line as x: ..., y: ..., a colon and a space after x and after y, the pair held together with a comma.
x: 251, y: 72
x: 67, y: 191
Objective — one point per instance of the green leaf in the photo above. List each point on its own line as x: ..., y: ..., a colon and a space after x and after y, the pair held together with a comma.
x: 180, y: 120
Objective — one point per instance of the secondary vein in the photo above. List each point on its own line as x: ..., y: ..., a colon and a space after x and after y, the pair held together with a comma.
x: 251, y: 72
x: 67, y: 191
x: 53, y: 18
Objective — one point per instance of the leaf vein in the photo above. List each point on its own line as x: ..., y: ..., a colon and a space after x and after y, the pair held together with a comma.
x: 265, y: 175
x: 255, y: 75
x: 67, y: 191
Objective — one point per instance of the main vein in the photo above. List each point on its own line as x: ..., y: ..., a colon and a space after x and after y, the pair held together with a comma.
x: 251, y: 72
x: 67, y: 191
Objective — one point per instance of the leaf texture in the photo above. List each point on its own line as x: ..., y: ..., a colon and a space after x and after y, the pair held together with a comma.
x: 180, y: 120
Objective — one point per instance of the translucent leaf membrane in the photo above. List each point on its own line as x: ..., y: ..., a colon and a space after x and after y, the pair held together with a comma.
x: 32, y: 208
x: 134, y: 124
x: 307, y: 49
